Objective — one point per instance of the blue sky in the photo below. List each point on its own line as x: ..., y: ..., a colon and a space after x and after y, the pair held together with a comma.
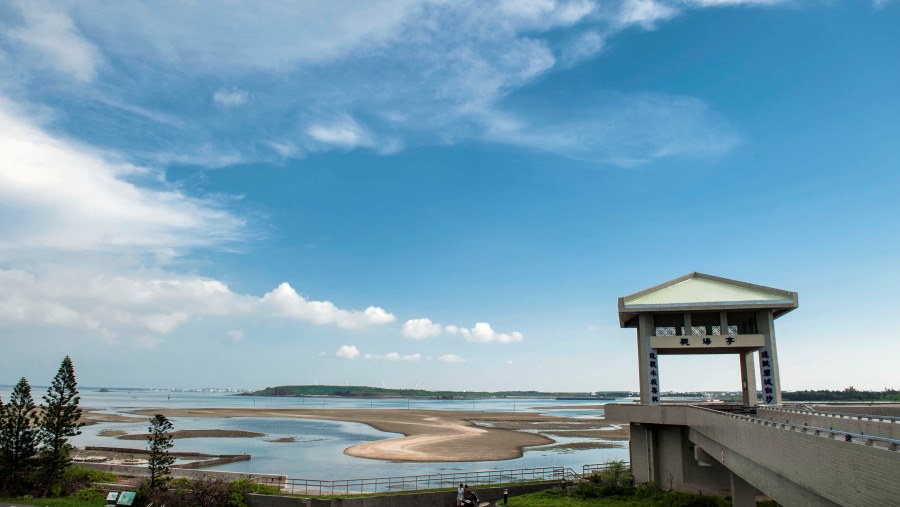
x: 447, y: 194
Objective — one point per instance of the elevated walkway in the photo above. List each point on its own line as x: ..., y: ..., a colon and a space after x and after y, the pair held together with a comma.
x: 790, y: 455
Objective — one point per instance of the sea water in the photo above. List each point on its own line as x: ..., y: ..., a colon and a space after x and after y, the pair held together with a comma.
x: 318, y: 449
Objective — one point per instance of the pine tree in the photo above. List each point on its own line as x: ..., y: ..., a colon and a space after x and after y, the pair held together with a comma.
x: 159, y: 440
x: 18, y: 439
x: 60, y: 419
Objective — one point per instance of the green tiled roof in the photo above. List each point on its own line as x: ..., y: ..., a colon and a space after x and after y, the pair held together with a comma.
x: 701, y: 290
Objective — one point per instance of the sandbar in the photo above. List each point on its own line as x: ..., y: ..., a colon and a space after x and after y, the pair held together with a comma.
x: 198, y: 434
x: 428, y: 435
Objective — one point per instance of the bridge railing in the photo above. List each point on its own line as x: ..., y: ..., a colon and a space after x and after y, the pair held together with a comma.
x: 422, y: 482
x: 869, y: 440
x: 840, y: 415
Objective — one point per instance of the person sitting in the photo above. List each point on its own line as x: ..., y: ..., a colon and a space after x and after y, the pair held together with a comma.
x: 470, y: 499
x: 459, y: 495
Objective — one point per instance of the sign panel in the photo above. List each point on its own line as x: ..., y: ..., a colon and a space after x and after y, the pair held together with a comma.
x: 765, y: 374
x: 126, y: 498
x: 711, y: 343
x: 653, y: 373
x: 112, y: 496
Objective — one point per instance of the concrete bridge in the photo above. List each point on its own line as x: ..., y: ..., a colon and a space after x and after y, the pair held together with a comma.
x: 794, y: 455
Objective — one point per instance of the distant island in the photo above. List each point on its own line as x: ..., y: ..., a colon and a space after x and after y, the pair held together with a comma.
x: 848, y: 394
x: 380, y: 392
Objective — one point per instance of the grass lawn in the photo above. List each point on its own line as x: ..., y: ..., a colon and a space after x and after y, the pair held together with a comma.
x: 67, y: 501
x: 553, y: 498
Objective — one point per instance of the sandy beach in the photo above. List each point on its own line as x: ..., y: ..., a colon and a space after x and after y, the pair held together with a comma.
x: 428, y: 435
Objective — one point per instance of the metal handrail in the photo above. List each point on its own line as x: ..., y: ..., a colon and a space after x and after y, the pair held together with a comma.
x: 419, y: 482
x: 594, y: 467
x: 840, y: 415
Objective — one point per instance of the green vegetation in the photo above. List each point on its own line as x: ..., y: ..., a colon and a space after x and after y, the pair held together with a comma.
x: 58, y: 421
x: 76, y: 485
x: 848, y: 394
x: 18, y: 439
x: 202, y: 493
x: 66, y: 501
x: 34, y: 443
x: 159, y: 441
x: 614, y: 487
x: 378, y: 392
x: 643, y: 496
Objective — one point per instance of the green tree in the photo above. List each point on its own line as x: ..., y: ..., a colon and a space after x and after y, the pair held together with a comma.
x: 59, y: 420
x: 159, y: 440
x: 18, y: 438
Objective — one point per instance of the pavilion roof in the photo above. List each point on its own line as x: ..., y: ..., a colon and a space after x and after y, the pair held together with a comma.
x: 699, y: 291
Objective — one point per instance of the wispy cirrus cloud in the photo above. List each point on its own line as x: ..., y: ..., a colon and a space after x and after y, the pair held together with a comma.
x: 329, y: 75
x: 53, y: 35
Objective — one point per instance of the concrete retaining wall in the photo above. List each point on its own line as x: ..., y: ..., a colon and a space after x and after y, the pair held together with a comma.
x: 436, y: 499
x: 136, y: 471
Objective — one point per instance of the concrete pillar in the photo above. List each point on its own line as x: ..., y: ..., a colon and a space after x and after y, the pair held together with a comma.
x: 687, y: 324
x: 748, y: 379
x: 640, y: 449
x: 648, y: 362
x: 723, y: 323
x: 768, y: 359
x: 742, y: 493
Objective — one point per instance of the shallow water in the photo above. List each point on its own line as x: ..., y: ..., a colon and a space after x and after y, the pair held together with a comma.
x: 318, y: 452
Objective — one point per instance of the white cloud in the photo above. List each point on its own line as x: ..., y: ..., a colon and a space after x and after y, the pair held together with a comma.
x: 343, y: 132
x: 112, y: 306
x: 231, y: 98
x: 52, y: 33
x: 622, y: 129
x: 245, y: 37
x: 484, y: 333
x: 347, y: 352
x: 71, y: 197
x: 451, y: 358
x: 151, y: 303
x: 419, y: 329
x: 284, y: 301
x: 644, y: 12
